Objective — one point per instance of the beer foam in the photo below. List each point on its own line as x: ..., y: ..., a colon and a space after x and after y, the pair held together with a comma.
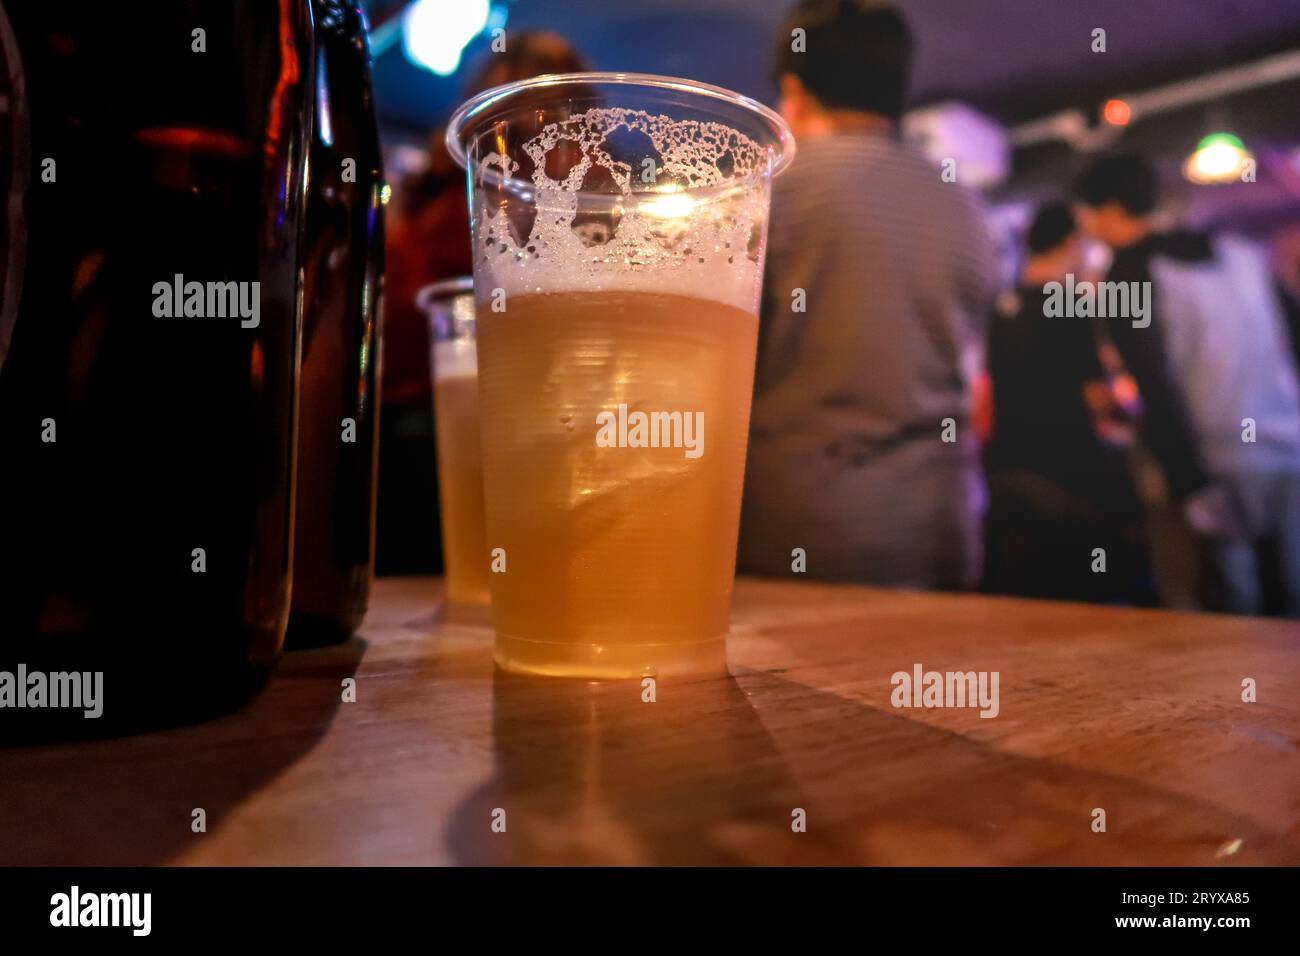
x: 455, y: 358
x: 694, y: 223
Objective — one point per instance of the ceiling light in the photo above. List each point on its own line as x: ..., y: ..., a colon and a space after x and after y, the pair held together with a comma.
x: 1219, y: 158
x: 435, y: 32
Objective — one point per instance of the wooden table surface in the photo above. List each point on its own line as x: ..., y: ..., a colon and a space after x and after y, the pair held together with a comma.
x: 1138, y: 713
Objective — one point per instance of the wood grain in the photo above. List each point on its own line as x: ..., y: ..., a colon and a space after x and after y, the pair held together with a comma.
x: 1135, y: 712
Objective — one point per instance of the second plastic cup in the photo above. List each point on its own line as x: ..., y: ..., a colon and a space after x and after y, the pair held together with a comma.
x: 449, y: 306
x: 618, y: 231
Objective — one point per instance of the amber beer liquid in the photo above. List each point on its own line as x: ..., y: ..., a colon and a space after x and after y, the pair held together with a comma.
x: 618, y: 224
x: 460, y: 471
x: 618, y: 558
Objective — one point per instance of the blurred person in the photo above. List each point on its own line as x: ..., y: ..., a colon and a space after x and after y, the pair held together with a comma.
x: 862, y: 452
x: 1218, y: 382
x: 1287, y: 244
x: 1058, y: 474
x: 428, y: 240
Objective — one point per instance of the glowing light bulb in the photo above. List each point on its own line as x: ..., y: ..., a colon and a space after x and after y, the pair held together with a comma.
x: 1117, y: 112
x: 435, y: 32
x: 1219, y: 158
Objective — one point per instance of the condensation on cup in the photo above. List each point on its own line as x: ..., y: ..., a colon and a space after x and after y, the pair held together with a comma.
x: 618, y: 226
x: 449, y: 307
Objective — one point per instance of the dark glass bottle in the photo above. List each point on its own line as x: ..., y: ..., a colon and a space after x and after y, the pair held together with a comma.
x: 338, y: 431
x: 147, y: 459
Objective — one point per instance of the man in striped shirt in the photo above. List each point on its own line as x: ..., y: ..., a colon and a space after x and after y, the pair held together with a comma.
x: 880, y: 280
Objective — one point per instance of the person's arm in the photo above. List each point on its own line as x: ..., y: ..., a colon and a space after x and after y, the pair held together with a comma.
x: 1291, y: 312
x: 1164, y: 425
x: 981, y: 283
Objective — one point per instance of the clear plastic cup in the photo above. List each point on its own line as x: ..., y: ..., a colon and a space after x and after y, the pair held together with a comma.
x: 618, y: 227
x: 449, y: 306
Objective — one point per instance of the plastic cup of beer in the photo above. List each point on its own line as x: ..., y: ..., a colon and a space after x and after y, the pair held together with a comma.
x: 618, y: 228
x: 449, y: 307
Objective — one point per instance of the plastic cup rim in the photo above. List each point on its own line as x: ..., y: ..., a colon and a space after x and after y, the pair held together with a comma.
x: 473, y: 108
x: 443, y: 289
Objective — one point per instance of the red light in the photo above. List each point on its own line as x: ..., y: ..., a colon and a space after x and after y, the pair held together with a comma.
x: 1116, y: 112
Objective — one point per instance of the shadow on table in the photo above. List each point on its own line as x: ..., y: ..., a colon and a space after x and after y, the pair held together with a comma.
x: 589, y: 773
x: 129, y: 801
x: 711, y: 772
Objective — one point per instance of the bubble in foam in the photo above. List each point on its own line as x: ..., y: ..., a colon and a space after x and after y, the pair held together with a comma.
x: 583, y: 230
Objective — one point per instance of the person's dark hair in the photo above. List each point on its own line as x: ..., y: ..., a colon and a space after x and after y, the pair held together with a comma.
x: 1125, y: 178
x: 856, y: 55
x: 530, y: 53
x: 1051, y: 226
